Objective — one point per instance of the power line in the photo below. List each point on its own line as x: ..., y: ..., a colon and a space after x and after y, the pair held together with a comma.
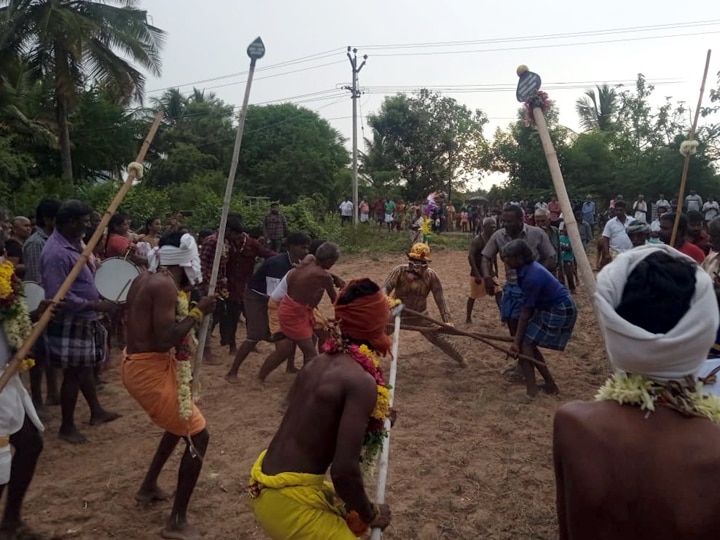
x: 547, y: 46
x: 588, y: 33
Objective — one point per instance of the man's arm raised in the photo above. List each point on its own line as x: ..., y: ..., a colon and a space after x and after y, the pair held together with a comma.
x: 359, y: 403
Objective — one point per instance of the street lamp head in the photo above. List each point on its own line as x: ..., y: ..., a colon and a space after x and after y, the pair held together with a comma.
x: 365, y: 57
x: 355, y: 51
x: 256, y: 49
x: 349, y: 48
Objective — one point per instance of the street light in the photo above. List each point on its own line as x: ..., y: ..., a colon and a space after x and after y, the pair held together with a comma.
x: 256, y: 50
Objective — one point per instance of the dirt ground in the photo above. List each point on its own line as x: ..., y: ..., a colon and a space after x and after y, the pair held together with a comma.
x: 468, y: 458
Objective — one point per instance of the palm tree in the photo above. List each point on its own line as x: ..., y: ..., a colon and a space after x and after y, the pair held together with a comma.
x: 71, y: 42
x: 597, y: 111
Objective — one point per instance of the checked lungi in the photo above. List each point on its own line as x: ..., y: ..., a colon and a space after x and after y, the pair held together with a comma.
x: 71, y: 341
x: 551, y: 328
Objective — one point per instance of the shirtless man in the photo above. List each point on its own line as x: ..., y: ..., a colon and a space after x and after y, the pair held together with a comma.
x: 631, y: 474
x: 149, y: 369
x: 305, y: 288
x: 412, y: 283
x: 325, y: 426
x: 477, y: 286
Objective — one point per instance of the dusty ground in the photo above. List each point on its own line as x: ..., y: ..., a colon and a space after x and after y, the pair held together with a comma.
x: 468, y: 459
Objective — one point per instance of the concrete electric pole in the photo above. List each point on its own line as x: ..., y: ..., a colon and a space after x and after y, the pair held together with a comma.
x: 355, y: 95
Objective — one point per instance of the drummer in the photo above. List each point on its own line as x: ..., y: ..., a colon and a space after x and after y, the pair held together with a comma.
x: 118, y: 243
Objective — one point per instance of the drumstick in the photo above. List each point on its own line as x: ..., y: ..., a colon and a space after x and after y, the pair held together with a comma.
x: 127, y: 284
x: 22, y: 353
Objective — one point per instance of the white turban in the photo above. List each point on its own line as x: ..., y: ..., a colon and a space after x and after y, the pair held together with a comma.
x: 661, y: 357
x: 186, y: 256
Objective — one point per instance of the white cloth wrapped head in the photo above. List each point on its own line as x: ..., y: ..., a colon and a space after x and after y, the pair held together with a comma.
x: 661, y: 357
x: 186, y: 256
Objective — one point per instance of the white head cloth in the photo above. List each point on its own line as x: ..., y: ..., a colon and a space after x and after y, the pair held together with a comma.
x: 661, y: 357
x: 186, y: 256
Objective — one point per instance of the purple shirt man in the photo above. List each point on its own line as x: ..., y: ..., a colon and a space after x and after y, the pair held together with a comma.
x: 57, y: 260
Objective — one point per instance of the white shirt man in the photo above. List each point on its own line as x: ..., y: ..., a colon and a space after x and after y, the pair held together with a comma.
x: 693, y: 202
x: 541, y: 205
x: 346, y: 209
x: 710, y: 209
x: 617, y: 235
x: 662, y: 202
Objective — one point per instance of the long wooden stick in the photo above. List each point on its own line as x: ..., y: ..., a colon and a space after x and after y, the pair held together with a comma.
x: 686, y: 162
x: 456, y: 332
x: 220, y: 244
x: 385, y: 456
x: 39, y: 328
x: 459, y: 332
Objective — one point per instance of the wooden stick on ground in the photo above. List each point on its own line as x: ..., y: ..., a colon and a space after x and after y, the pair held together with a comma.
x: 39, y: 328
x: 455, y: 332
x: 459, y: 332
x: 686, y: 163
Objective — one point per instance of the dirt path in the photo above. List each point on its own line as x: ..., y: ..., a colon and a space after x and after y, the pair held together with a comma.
x: 468, y: 459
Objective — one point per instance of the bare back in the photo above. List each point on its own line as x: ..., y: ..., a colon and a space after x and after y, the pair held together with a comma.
x: 150, y: 305
x: 329, y: 405
x: 626, y: 475
x: 306, y: 284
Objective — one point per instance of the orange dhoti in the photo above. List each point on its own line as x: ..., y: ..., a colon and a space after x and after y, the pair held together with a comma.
x: 297, y: 321
x: 151, y: 379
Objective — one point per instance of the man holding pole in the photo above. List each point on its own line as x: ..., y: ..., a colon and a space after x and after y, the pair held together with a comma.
x: 75, y: 340
x: 150, y: 370
x: 332, y: 405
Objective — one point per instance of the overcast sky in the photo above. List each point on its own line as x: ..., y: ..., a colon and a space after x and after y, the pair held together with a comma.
x: 208, y: 39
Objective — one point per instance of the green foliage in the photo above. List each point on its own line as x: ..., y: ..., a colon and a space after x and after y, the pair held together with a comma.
x: 424, y: 143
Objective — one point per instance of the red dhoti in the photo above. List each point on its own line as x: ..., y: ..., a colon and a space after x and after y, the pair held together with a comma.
x: 297, y: 321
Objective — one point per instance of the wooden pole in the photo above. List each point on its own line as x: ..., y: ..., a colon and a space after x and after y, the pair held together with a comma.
x: 39, y: 328
x: 451, y: 329
x: 456, y: 332
x: 583, y: 262
x: 686, y: 162
x: 207, y: 321
x: 385, y: 456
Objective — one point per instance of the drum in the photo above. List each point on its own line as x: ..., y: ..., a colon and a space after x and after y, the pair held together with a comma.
x: 114, y: 277
x: 707, y: 367
x: 34, y: 294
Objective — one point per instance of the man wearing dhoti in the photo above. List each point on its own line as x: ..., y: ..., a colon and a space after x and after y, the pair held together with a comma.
x: 156, y: 369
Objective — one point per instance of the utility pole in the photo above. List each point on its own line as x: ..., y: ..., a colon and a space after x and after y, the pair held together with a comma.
x: 355, y: 95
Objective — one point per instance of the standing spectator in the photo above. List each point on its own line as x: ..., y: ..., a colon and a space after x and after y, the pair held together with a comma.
x: 32, y: 248
x: 696, y: 234
x: 364, y: 211
x: 379, y: 209
x: 542, y: 221
x: 655, y: 225
x: 567, y: 260
x: 662, y: 202
x: 74, y: 340
x: 682, y: 243
x: 399, y: 215
x: 614, y: 237
x: 21, y: 231
x: 153, y: 232
x: 451, y: 216
x: 346, y: 211
x: 541, y: 204
x: 640, y: 209
x: 275, y: 228
x: 693, y: 201
x: 118, y: 243
x: 585, y: 229
x: 464, y: 221
x: 554, y: 210
x: 710, y: 209
x: 389, y: 213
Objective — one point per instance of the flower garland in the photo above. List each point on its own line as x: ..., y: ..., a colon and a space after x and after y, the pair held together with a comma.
x: 183, y: 353
x: 375, y: 432
x: 633, y: 389
x: 13, y: 311
x: 541, y: 100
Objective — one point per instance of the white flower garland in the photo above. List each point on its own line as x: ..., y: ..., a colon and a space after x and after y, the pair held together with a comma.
x: 638, y: 390
x: 184, y: 369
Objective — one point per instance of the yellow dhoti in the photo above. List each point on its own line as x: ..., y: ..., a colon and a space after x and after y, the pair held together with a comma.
x: 297, y: 506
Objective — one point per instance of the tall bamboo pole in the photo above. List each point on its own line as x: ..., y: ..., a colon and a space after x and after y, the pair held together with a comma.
x: 686, y: 162
x: 39, y: 328
x: 256, y: 50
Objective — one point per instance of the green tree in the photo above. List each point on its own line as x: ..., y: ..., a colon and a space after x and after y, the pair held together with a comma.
x: 289, y: 151
x: 72, y: 41
x: 597, y: 108
x: 428, y: 141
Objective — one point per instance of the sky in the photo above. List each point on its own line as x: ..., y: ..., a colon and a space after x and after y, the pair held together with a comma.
x: 572, y: 45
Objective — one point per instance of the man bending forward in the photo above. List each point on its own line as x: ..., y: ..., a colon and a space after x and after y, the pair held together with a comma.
x: 157, y: 324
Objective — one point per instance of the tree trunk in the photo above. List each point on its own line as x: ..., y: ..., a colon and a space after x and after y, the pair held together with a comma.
x: 62, y: 120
